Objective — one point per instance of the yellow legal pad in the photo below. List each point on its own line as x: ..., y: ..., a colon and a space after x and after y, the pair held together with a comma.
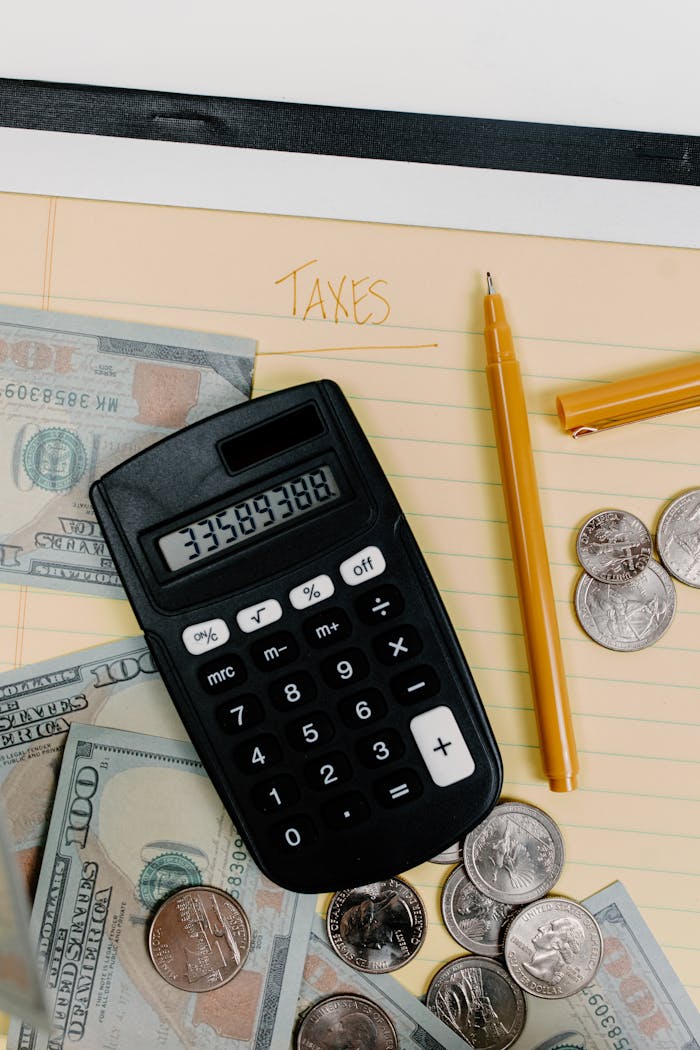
x: 393, y: 314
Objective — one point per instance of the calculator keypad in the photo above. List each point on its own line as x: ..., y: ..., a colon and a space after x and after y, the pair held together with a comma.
x: 323, y: 702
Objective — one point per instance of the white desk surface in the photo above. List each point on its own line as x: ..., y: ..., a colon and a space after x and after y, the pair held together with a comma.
x: 629, y: 64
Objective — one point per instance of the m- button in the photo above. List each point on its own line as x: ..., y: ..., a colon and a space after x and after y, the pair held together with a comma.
x: 364, y: 565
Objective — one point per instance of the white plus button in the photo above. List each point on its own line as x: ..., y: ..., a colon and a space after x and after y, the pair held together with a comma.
x: 260, y: 615
x: 362, y: 566
x: 442, y: 746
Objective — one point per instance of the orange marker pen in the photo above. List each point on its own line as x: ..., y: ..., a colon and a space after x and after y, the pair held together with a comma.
x: 537, y: 609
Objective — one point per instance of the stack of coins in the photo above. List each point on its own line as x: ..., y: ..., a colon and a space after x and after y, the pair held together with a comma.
x: 624, y: 599
x: 496, y: 906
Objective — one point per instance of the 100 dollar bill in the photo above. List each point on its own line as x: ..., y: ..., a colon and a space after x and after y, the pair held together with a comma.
x: 135, y: 817
x: 77, y: 396
x: 115, y: 685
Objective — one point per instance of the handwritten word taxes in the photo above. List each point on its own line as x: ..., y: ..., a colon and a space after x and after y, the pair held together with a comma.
x: 344, y: 298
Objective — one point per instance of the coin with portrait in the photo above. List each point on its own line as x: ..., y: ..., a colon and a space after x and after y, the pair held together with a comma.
x: 346, y: 1022
x: 378, y: 927
x: 553, y: 948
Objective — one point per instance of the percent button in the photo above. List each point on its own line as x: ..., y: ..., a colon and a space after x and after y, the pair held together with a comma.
x: 311, y: 592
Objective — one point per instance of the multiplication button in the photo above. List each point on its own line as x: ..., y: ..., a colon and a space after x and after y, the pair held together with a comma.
x: 398, y: 644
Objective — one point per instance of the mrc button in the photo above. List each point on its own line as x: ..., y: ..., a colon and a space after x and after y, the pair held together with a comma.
x: 222, y: 674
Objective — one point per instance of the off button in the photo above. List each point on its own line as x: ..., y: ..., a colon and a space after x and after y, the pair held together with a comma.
x: 362, y: 566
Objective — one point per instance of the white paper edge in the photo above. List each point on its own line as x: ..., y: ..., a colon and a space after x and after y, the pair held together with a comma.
x: 230, y: 179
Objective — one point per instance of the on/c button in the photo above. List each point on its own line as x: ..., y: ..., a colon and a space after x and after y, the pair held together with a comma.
x: 362, y: 566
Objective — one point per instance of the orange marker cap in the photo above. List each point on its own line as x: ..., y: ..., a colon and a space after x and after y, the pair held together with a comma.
x: 630, y: 400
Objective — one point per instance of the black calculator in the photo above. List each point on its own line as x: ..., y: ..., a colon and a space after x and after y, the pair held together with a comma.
x: 302, y: 639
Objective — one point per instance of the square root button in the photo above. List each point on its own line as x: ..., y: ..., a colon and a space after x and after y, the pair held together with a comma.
x: 442, y: 746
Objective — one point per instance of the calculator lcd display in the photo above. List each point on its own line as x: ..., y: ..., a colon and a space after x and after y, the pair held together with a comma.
x: 207, y: 536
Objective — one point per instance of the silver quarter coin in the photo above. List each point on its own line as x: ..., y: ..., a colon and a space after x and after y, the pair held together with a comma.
x: 480, y: 1001
x: 678, y: 538
x: 553, y: 948
x: 474, y: 920
x: 515, y: 855
x: 614, y: 546
x: 346, y: 1021
x: 453, y: 855
x: 627, y: 616
x: 377, y: 928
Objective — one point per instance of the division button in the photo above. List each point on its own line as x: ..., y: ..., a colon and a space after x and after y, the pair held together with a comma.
x: 402, y: 786
x: 442, y: 746
x: 199, y: 638
x: 277, y: 650
x: 362, y: 566
x: 311, y: 592
x: 222, y: 674
x: 259, y: 615
x: 327, y: 628
x: 380, y: 604
x: 346, y: 811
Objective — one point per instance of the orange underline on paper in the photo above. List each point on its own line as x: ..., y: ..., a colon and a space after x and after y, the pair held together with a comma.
x: 328, y: 349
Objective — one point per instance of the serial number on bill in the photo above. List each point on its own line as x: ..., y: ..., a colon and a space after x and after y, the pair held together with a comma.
x: 63, y: 398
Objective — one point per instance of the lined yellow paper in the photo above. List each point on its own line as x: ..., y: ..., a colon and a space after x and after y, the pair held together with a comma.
x: 394, y: 315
